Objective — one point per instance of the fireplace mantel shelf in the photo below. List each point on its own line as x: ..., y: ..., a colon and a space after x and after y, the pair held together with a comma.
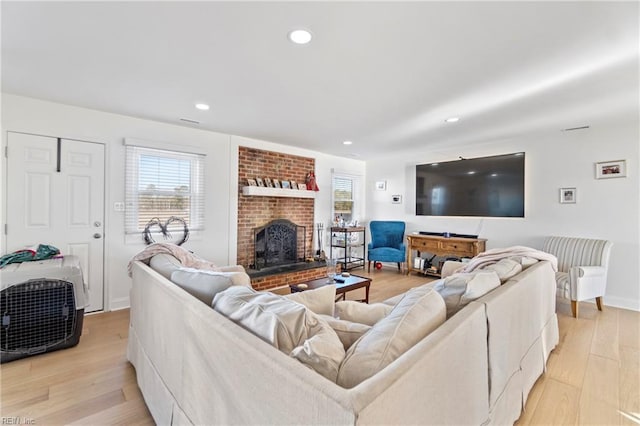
x: 262, y: 191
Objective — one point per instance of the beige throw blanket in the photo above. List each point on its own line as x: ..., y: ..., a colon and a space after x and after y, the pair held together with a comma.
x: 492, y: 256
x: 185, y: 257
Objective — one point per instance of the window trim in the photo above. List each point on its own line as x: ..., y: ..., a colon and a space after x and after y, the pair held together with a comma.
x: 355, y: 194
x: 133, y: 153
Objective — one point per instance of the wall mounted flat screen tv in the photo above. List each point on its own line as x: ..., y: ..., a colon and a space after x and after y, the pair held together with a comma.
x: 485, y: 186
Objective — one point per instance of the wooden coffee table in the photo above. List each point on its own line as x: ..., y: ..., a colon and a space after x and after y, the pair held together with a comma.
x: 350, y: 283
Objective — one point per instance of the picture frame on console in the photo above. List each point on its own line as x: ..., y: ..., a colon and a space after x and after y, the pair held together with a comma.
x: 568, y: 195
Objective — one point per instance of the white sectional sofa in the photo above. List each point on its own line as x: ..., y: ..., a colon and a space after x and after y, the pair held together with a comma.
x: 195, y: 366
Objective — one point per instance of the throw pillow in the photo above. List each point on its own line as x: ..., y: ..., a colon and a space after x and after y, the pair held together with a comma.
x: 323, y: 351
x: 348, y: 332
x: 165, y: 264
x: 320, y: 300
x: 363, y: 313
x: 505, y: 268
x: 421, y: 311
x: 202, y: 284
x: 458, y: 290
x: 525, y: 261
x: 286, y: 325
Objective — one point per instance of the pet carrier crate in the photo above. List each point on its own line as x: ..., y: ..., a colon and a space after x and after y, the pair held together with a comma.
x: 42, y: 306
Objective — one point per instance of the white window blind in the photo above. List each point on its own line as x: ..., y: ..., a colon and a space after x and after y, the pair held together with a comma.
x: 343, y: 199
x: 161, y: 184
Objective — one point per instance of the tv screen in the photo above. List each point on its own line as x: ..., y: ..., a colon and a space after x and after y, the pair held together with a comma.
x: 486, y: 186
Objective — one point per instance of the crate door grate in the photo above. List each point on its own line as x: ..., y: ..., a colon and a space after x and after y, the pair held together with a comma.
x: 37, y: 315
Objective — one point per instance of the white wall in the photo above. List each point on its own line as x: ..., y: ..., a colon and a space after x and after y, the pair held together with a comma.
x: 607, y: 208
x: 217, y: 242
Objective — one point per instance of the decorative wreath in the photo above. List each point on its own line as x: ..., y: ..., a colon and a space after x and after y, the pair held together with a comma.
x: 164, y: 229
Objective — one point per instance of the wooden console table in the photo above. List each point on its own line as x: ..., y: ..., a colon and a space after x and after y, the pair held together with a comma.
x: 441, y: 246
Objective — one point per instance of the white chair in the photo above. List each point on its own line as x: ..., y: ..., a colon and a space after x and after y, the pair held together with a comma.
x: 582, y: 268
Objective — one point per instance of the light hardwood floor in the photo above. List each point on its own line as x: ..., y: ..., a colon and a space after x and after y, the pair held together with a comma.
x: 593, y: 376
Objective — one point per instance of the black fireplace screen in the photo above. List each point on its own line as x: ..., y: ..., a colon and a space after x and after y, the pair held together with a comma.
x: 279, y: 242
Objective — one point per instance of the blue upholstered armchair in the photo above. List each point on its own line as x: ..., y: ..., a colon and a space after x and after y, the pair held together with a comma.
x: 387, y: 243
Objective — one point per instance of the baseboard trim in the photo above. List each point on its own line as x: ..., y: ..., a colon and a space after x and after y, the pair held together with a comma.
x: 623, y: 303
x: 119, y: 303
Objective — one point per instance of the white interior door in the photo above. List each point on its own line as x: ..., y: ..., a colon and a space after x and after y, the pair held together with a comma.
x: 55, y: 195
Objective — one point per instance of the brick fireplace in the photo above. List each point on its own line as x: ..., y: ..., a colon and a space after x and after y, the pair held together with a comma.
x: 255, y: 212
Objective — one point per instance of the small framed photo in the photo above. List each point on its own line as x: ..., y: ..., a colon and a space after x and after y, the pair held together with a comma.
x: 302, y: 186
x: 268, y: 183
x: 260, y: 181
x: 276, y: 183
x: 294, y: 185
x: 285, y: 184
x: 252, y: 182
x: 381, y: 185
x: 396, y: 199
x: 568, y: 195
x: 611, y: 169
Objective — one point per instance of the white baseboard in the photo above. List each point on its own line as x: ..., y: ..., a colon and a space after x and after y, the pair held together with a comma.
x: 119, y: 303
x: 622, y: 302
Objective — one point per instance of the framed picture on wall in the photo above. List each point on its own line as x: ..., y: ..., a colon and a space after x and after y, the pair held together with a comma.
x: 568, y: 195
x: 611, y: 169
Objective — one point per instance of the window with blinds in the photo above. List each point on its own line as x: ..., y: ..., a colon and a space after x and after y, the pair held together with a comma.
x: 343, y: 199
x: 161, y: 184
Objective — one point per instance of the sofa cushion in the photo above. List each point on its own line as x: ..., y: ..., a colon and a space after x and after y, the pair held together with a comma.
x: 419, y: 312
x: 320, y: 300
x: 323, y: 351
x: 563, y: 288
x: 285, y: 324
x: 363, y: 313
x: 458, y: 290
x: 524, y: 261
x: 164, y: 264
x: 203, y: 285
x: 505, y: 268
x: 348, y: 332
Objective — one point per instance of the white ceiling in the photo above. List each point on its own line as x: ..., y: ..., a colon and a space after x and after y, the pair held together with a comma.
x: 382, y: 74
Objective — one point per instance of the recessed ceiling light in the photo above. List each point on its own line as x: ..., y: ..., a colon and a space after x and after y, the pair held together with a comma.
x: 452, y: 119
x: 202, y: 107
x: 347, y: 143
x: 300, y: 36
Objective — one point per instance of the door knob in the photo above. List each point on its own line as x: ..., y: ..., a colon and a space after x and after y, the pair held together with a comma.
x: 97, y: 235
